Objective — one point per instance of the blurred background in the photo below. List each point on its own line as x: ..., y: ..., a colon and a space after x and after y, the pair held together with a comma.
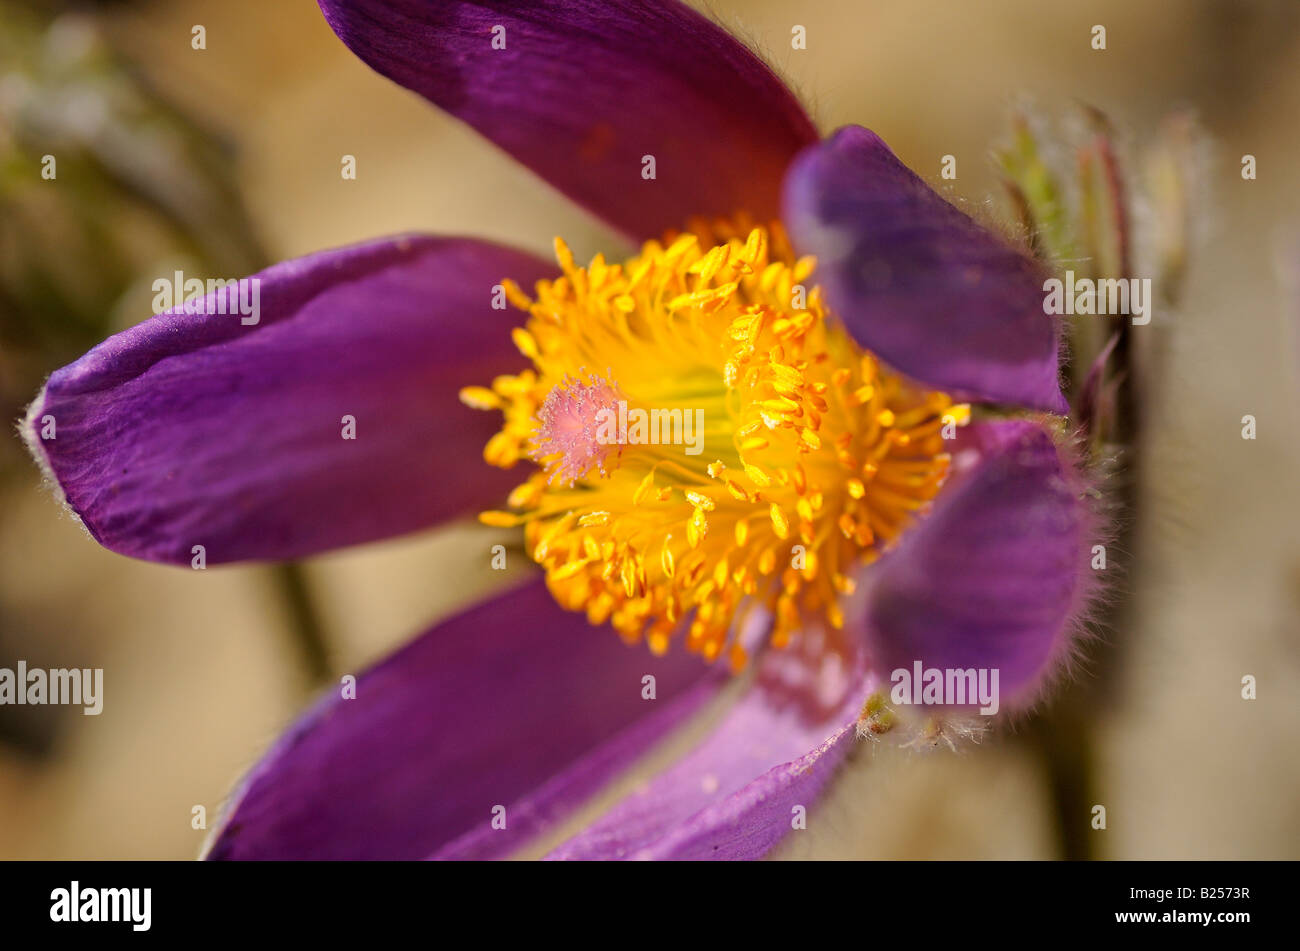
x: 224, y: 159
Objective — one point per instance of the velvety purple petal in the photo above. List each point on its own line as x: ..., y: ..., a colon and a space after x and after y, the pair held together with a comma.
x: 919, y: 282
x: 994, y: 575
x: 583, y: 91
x: 734, y: 796
x: 198, y: 429
x: 514, y: 703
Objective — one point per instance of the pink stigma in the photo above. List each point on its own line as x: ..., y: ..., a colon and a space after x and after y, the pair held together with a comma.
x: 569, y: 423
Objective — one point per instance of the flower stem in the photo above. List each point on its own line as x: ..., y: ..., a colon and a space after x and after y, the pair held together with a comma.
x: 1065, y: 746
x: 305, y: 629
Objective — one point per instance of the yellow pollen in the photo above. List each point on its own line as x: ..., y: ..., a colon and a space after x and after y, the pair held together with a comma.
x: 709, y: 440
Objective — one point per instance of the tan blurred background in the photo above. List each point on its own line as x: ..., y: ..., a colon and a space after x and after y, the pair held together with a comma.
x: 202, y: 670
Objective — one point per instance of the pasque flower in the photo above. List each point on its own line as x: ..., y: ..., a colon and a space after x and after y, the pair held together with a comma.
x: 845, y: 515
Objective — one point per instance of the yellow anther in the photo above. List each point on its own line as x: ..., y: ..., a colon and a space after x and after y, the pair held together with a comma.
x: 479, y: 397
x: 780, y: 523
x: 644, y: 489
x: 525, y: 343
x: 515, y: 295
x: 700, y: 500
x: 500, y: 519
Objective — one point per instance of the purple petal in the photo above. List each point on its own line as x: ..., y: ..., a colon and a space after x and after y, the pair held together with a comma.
x: 917, y: 281
x: 734, y: 797
x: 196, y: 429
x: 583, y: 91
x: 993, y: 576
x: 514, y: 703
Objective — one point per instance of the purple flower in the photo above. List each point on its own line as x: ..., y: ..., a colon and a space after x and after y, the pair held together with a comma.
x: 956, y: 550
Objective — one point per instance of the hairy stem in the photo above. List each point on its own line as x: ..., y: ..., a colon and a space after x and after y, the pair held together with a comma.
x: 305, y: 629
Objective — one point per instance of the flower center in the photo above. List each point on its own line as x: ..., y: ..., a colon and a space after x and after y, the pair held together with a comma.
x: 710, y: 439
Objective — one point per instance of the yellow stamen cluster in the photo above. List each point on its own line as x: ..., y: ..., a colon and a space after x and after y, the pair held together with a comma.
x: 815, y: 457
